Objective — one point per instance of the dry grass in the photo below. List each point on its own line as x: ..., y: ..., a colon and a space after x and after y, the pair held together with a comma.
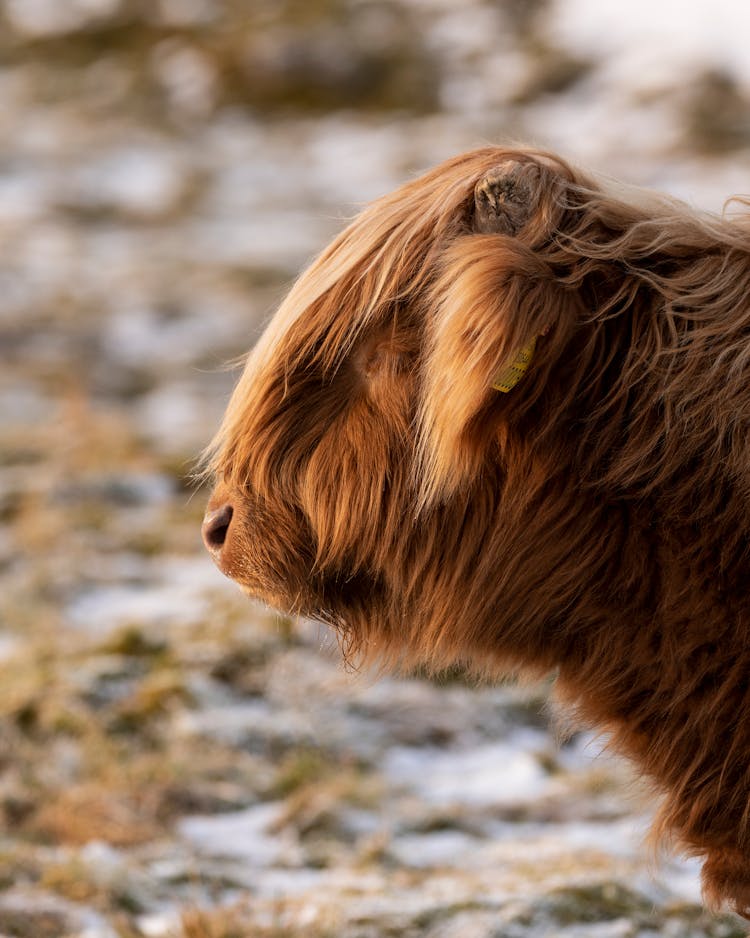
x: 240, y: 922
x: 89, y: 812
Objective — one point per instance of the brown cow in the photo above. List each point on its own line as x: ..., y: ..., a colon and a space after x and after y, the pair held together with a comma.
x: 502, y: 422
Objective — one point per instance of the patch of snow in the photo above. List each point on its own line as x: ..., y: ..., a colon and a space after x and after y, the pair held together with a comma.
x: 79, y: 919
x: 355, y: 162
x: 494, y: 774
x: 175, y: 416
x: 23, y: 197
x: 646, y: 41
x: 162, y: 924
x: 180, y: 597
x: 139, y: 335
x: 106, y: 864
x: 108, y: 607
x: 244, y: 723
x: 144, y: 181
x: 52, y: 17
x: 617, y: 928
x: 283, y: 238
x: 682, y: 877
x: 188, y: 77
x: 448, y: 848
x: 251, y: 835
x: 10, y: 645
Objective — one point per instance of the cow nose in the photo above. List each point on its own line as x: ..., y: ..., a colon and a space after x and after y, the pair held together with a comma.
x: 215, y: 527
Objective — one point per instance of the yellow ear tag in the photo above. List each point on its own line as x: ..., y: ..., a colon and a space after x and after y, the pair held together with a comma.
x: 512, y: 373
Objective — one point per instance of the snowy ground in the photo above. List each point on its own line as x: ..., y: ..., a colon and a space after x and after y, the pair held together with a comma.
x: 173, y: 760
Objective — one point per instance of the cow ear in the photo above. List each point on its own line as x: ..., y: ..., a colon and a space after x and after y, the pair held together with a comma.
x: 505, y: 198
x: 518, y: 198
x: 494, y: 303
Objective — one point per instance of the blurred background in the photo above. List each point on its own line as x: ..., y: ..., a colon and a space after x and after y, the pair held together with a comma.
x: 173, y: 760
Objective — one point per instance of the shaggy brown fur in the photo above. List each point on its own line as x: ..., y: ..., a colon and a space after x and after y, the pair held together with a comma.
x: 593, y: 521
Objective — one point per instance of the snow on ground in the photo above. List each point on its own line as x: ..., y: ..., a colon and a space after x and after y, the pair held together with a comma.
x: 166, y: 744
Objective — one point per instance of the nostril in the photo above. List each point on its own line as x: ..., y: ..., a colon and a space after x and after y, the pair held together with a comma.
x: 215, y: 527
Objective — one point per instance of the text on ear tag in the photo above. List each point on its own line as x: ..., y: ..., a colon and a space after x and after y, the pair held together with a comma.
x: 515, y: 370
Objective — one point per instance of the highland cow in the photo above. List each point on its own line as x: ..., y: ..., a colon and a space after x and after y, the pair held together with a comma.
x: 502, y: 423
